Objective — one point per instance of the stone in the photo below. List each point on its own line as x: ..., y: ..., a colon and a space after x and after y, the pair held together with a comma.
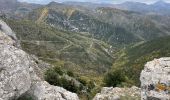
x: 44, y: 91
x: 4, y: 39
x: 14, y: 72
x: 7, y: 30
x: 155, y: 80
x: 110, y: 93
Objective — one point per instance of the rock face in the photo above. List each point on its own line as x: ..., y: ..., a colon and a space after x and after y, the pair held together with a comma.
x: 14, y: 66
x: 19, y: 73
x: 110, y: 93
x: 155, y: 80
x: 43, y: 91
x: 14, y: 72
x: 7, y: 30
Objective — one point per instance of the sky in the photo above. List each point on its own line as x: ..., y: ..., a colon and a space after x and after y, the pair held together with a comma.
x: 94, y: 1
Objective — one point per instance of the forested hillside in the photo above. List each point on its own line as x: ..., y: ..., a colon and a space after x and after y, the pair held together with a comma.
x: 131, y: 61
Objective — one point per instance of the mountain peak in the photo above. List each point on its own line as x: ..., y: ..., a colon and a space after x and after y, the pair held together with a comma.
x: 54, y: 3
x: 132, y: 2
x: 161, y: 3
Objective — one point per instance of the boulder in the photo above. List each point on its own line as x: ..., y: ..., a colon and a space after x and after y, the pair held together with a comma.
x: 110, y: 93
x: 4, y: 28
x: 155, y: 80
x: 44, y: 91
x: 14, y: 70
x: 7, y: 30
x: 4, y: 39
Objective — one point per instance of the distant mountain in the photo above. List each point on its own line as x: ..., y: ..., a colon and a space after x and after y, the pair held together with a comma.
x: 159, y: 7
x: 8, y: 5
x: 141, y: 26
x: 87, y: 5
x: 161, y: 4
x: 15, y: 9
x: 114, y: 26
x: 24, y: 8
x: 133, y: 6
x: 77, y: 20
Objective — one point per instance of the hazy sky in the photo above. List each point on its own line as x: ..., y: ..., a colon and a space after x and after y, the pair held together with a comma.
x: 96, y: 1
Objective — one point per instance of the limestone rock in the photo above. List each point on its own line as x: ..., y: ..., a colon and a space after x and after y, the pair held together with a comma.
x: 110, y: 93
x: 155, y: 80
x: 14, y: 72
x: 4, y: 39
x: 43, y: 91
x: 10, y: 35
x: 7, y: 30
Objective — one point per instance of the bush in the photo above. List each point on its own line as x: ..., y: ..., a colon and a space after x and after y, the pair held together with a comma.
x: 70, y: 73
x: 114, y: 78
x: 82, y: 81
x: 69, y: 85
x: 58, y: 70
x: 54, y: 76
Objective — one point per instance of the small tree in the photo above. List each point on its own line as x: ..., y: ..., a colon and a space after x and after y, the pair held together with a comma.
x: 52, y: 77
x: 114, y: 78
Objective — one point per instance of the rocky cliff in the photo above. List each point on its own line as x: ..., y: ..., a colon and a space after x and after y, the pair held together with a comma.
x: 155, y: 80
x: 20, y: 74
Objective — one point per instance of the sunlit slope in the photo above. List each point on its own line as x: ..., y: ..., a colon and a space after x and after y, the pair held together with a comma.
x: 79, y: 52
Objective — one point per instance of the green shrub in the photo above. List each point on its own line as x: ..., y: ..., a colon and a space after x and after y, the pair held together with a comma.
x: 69, y: 85
x: 54, y: 76
x: 25, y: 97
x: 83, y: 81
x: 58, y: 70
x: 114, y: 78
x: 70, y: 73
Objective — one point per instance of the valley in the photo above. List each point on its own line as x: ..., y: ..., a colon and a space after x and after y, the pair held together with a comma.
x: 101, y: 44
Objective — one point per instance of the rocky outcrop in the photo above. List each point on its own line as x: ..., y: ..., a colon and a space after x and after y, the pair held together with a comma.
x: 10, y: 35
x: 19, y: 73
x: 14, y: 72
x: 43, y: 91
x: 155, y: 80
x: 110, y: 93
x: 7, y: 30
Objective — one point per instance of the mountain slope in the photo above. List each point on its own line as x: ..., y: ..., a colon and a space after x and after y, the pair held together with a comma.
x: 16, y: 10
x: 74, y: 19
x: 73, y: 51
x: 159, y: 7
x: 130, y: 61
x: 141, y: 26
x: 114, y: 26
